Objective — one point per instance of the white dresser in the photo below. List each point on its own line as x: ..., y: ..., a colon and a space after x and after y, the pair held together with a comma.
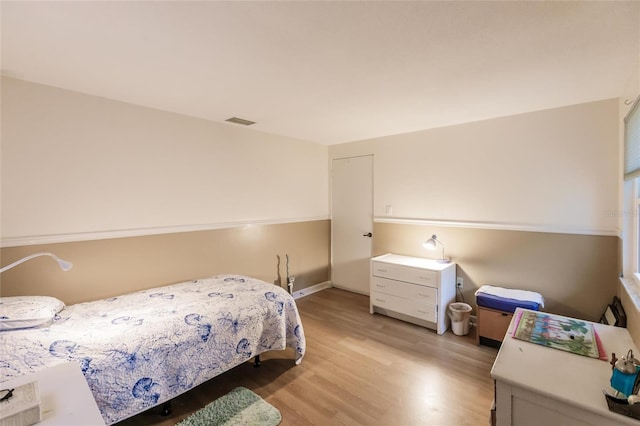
x: 537, y: 385
x: 413, y: 289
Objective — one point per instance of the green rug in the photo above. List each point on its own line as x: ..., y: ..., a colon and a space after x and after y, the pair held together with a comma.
x: 239, y: 407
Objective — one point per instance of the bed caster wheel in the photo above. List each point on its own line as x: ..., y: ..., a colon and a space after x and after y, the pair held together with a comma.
x: 166, y: 409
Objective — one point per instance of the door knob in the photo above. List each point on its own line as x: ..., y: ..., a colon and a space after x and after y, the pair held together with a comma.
x: 368, y: 235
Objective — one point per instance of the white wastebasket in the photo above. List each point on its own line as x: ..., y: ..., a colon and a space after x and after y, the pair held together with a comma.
x: 460, y: 314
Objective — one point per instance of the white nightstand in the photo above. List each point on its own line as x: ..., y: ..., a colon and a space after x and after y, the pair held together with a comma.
x: 66, y: 399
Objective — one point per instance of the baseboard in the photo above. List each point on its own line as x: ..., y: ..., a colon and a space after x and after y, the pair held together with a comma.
x: 310, y: 290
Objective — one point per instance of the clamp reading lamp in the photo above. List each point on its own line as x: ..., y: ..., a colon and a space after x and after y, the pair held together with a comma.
x: 431, y: 245
x: 65, y: 265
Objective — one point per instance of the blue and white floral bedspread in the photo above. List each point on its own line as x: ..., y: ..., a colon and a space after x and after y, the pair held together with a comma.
x: 144, y: 348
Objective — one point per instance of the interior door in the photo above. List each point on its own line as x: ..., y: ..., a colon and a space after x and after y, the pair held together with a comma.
x: 352, y: 222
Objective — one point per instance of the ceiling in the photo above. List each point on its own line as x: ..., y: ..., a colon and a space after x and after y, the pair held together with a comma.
x: 329, y: 72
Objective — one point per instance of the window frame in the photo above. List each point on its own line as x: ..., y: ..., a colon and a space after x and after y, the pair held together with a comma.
x: 635, y: 231
x: 630, y: 217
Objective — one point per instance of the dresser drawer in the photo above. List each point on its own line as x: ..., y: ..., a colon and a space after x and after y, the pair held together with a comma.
x: 405, y: 273
x: 493, y: 324
x: 405, y: 290
x: 414, y: 308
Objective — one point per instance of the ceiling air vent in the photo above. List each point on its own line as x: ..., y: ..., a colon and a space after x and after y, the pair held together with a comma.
x: 242, y: 121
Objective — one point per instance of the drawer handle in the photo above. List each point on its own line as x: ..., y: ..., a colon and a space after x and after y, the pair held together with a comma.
x: 425, y: 278
x: 423, y: 295
x: 381, y: 270
x: 504, y: 315
x: 381, y: 286
x: 380, y: 300
x: 422, y: 312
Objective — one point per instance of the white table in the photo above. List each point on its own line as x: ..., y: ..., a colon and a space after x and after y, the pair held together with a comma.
x: 536, y: 385
x: 66, y: 399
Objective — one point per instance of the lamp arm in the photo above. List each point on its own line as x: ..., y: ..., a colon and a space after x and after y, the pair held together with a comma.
x: 64, y: 265
x: 443, y: 258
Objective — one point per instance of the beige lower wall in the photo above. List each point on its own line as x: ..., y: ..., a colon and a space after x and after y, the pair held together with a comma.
x: 104, y: 268
x: 576, y: 274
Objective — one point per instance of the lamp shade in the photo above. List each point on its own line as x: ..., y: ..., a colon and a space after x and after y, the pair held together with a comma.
x: 431, y: 243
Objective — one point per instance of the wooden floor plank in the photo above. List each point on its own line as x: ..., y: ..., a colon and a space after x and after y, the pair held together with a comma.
x: 359, y: 369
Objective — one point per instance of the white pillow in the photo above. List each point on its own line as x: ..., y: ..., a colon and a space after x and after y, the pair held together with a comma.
x: 27, y: 311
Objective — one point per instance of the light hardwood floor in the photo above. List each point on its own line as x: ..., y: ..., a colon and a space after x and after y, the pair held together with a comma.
x: 359, y: 369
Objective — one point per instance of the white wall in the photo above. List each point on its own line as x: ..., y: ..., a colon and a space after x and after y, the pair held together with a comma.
x: 554, y: 170
x: 74, y: 164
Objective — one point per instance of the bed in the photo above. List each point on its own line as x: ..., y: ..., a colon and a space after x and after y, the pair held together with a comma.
x: 142, y: 349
